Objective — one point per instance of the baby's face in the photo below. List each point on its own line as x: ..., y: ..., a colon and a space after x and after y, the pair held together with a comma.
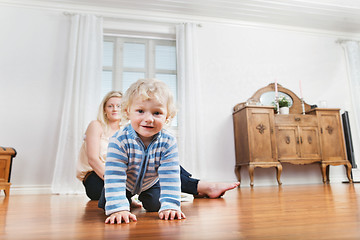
x: 147, y: 117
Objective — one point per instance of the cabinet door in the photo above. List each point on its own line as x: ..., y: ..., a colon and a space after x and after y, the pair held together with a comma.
x: 287, y: 142
x: 332, y: 141
x: 309, y: 143
x: 261, y: 132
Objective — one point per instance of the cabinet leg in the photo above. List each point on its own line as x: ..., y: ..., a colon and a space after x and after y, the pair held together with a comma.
x: 237, y: 173
x: 348, y: 171
x: 251, y: 174
x: 278, y: 173
x: 324, y: 172
x: 328, y: 174
x: 7, y: 190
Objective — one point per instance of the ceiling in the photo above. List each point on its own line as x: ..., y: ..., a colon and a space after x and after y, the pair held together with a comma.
x: 332, y: 15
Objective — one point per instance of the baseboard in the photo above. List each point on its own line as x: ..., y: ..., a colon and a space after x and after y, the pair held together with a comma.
x: 28, y: 189
x: 355, y: 174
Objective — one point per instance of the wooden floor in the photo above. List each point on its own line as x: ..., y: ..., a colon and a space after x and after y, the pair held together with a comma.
x: 288, y: 212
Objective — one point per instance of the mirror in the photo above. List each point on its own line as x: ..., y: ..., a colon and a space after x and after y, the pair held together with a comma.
x: 267, y: 98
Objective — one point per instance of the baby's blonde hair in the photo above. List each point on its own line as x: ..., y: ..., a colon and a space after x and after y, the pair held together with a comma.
x: 147, y: 89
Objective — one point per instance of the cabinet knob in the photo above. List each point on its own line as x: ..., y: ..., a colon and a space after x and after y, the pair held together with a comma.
x: 297, y: 119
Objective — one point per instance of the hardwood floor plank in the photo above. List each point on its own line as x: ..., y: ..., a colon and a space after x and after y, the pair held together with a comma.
x: 287, y: 212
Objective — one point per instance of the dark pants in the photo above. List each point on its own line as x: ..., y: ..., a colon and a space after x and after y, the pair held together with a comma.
x: 149, y: 198
x: 188, y: 185
x: 94, y: 184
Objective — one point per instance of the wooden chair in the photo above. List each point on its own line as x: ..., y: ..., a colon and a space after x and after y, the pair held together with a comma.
x: 6, y: 156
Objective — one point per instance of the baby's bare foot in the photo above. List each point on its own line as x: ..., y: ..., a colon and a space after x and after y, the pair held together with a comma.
x: 135, y: 204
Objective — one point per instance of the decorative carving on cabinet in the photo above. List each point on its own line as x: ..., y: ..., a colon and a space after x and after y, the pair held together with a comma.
x: 330, y: 129
x: 285, y: 143
x: 296, y: 108
x: 261, y: 128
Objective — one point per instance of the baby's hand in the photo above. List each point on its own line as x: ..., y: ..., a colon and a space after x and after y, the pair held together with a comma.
x: 171, y: 214
x: 117, y: 217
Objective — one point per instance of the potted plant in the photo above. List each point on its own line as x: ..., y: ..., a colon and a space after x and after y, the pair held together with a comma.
x: 284, y: 104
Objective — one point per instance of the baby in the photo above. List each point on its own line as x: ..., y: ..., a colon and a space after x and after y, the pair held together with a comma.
x: 143, y: 157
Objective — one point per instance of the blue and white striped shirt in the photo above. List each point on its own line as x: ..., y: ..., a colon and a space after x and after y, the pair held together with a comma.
x: 129, y: 165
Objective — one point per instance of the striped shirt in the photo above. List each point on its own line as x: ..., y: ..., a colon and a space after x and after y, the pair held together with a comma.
x: 129, y: 165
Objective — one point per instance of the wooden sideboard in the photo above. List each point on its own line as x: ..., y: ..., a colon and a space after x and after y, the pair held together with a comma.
x: 265, y: 139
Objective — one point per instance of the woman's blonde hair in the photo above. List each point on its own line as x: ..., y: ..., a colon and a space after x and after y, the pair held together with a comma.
x: 147, y: 89
x: 101, y: 117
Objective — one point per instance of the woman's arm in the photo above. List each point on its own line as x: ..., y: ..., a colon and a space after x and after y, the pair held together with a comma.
x: 93, y: 137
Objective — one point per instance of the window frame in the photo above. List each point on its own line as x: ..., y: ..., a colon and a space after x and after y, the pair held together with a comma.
x: 149, y: 70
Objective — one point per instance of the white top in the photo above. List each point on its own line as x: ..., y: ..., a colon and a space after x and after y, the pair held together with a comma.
x: 83, y: 166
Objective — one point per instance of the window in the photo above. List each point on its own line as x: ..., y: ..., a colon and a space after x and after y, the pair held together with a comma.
x: 125, y: 60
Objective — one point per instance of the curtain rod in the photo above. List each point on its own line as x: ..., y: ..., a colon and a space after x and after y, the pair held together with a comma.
x: 340, y: 40
x: 138, y: 36
x: 127, y: 18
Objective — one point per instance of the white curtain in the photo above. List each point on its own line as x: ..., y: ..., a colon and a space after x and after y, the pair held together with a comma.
x: 352, y: 51
x: 190, y: 110
x: 81, y: 98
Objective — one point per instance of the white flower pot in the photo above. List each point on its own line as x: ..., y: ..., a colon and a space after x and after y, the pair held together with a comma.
x: 284, y: 110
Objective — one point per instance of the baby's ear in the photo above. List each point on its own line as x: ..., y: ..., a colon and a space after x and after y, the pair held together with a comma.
x: 127, y: 112
x: 168, y: 119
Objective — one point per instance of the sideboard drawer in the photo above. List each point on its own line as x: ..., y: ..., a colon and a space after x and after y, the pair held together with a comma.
x: 296, y: 119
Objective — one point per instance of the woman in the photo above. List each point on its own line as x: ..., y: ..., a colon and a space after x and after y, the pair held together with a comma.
x: 91, y: 164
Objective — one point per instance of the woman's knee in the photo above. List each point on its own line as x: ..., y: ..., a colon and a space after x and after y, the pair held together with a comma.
x: 93, y: 186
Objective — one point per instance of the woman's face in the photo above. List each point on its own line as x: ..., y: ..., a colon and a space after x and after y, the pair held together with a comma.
x: 112, y: 109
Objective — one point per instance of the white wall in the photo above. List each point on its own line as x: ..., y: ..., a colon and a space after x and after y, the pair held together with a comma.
x: 235, y: 61
x: 33, y: 47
